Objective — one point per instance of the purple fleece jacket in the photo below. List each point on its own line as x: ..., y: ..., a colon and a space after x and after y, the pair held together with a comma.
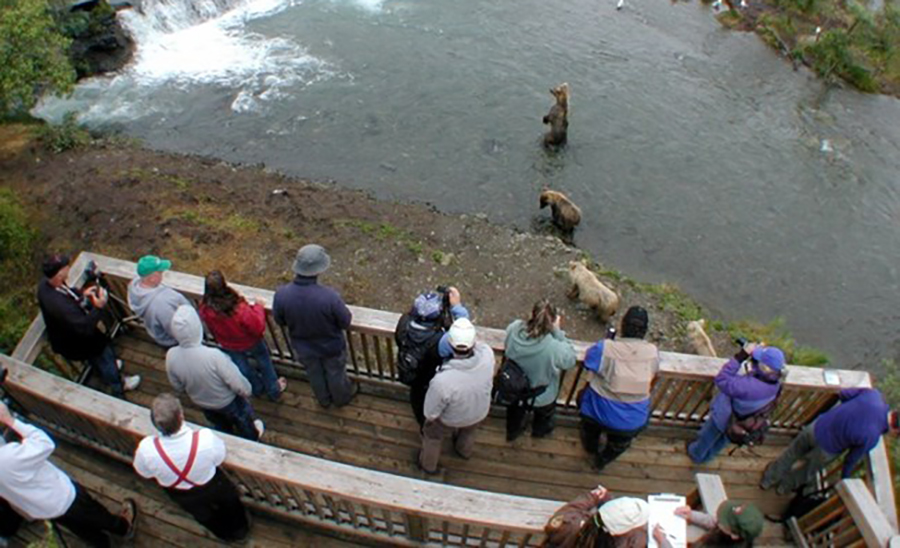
x: 744, y: 393
x: 856, y: 424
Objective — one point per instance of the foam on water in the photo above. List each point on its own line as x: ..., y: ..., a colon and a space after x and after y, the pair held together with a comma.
x: 188, y: 43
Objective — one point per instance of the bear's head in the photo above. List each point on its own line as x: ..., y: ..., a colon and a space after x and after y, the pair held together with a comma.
x: 561, y: 94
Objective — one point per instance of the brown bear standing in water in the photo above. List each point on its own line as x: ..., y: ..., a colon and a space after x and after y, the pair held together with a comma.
x: 566, y: 215
x: 558, y: 117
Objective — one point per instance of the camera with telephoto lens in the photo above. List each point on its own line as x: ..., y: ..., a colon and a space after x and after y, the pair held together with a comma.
x: 446, y: 316
x: 91, y: 275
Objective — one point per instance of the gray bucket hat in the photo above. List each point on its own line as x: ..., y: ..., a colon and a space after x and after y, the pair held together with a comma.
x: 311, y: 260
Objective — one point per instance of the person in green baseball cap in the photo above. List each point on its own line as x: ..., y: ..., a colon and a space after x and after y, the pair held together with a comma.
x: 154, y: 302
x: 735, y: 524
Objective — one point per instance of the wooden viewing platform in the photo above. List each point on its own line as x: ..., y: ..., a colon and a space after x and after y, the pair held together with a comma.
x: 350, y: 472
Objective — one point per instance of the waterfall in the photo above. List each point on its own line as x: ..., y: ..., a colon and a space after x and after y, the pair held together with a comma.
x: 165, y: 16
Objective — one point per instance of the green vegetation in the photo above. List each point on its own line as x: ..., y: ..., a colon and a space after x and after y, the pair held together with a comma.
x: 17, y: 250
x: 851, y: 42
x: 387, y: 231
x: 775, y: 333
x: 33, y: 55
x: 65, y: 136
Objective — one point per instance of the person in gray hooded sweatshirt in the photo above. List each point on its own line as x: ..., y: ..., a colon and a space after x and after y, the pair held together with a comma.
x: 458, y: 397
x: 209, y: 377
x: 154, y: 302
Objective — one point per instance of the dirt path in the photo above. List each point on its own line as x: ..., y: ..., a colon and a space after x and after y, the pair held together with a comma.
x: 126, y: 201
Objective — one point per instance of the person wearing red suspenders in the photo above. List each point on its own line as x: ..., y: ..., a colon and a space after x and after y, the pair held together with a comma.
x: 185, y: 462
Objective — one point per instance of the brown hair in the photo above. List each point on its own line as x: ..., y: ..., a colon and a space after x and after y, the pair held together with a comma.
x: 543, y: 314
x: 166, y: 413
x: 218, y: 295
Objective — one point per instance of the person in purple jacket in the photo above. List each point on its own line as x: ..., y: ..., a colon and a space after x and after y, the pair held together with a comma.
x: 739, y: 394
x: 316, y: 318
x: 855, y: 425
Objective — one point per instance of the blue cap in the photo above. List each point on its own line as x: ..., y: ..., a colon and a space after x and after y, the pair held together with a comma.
x: 428, y: 306
x: 593, y: 356
x: 771, y: 356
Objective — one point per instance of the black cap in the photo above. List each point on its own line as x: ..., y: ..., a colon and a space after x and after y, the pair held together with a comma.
x: 54, y: 264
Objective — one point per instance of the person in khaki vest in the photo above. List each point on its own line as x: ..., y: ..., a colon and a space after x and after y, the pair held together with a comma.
x: 615, y: 405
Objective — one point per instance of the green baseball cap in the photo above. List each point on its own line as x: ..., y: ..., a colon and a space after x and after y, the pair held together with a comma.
x: 150, y: 264
x: 742, y: 519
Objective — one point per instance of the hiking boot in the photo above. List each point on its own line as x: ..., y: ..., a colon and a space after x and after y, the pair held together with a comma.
x: 130, y: 382
x: 119, y: 365
x: 260, y: 427
x: 422, y: 468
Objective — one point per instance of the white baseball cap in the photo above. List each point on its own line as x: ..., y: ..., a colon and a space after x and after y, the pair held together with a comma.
x: 462, y: 334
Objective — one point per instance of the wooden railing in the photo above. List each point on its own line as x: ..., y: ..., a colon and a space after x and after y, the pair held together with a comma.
x: 681, y: 394
x: 364, y: 503
x: 850, y: 517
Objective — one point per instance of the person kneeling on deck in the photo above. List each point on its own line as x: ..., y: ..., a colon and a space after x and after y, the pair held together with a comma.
x: 596, y: 520
x: 739, y: 395
x: 540, y: 347
x: 458, y: 397
x: 38, y: 490
x: 616, y: 402
x: 317, y: 319
x: 856, y: 425
x: 185, y: 462
x: 419, y: 335
x: 72, y: 318
x: 153, y: 301
x: 212, y: 381
x: 735, y: 524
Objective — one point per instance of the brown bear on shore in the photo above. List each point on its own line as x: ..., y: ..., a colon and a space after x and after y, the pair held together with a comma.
x: 558, y: 117
x: 700, y: 340
x: 566, y: 215
x: 591, y: 291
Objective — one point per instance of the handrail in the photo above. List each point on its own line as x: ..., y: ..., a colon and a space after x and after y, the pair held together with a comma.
x: 681, y: 394
x: 307, y: 489
x: 850, y: 517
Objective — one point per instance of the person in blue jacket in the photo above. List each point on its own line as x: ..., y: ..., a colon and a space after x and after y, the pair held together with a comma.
x: 739, y: 394
x: 854, y: 426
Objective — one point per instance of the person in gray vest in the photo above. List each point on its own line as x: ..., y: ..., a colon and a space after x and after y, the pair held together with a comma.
x: 615, y: 406
x: 153, y: 301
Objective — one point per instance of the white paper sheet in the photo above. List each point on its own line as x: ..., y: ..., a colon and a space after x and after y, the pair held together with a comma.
x: 662, y: 511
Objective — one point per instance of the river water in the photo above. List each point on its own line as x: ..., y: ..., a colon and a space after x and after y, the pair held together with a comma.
x: 697, y: 155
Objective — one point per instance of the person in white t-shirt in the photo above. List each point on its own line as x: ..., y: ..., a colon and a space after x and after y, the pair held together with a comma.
x: 38, y: 490
x: 185, y: 462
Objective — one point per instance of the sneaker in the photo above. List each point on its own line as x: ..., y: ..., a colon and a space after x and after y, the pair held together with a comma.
x: 131, y: 382
x: 120, y: 364
x: 260, y: 427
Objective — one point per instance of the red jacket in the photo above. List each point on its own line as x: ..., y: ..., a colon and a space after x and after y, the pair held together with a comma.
x: 240, y: 331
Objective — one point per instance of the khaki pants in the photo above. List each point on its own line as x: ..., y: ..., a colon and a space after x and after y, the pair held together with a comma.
x: 432, y: 437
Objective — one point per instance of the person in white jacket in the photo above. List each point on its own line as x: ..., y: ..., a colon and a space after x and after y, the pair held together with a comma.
x: 458, y: 397
x: 185, y: 462
x: 38, y: 490
x: 209, y: 377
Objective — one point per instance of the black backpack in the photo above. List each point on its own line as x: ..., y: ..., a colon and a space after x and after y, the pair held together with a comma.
x: 751, y: 429
x: 511, y: 385
x: 412, y: 346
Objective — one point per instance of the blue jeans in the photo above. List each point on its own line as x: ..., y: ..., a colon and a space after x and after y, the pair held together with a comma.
x: 105, y: 364
x: 263, y: 376
x: 235, y: 418
x: 710, y: 441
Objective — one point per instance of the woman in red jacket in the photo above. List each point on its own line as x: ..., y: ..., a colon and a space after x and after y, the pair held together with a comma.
x: 239, y: 328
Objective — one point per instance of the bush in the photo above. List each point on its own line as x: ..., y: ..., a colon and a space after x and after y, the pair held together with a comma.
x: 65, y: 136
x: 17, y: 248
x: 33, y: 55
x: 775, y: 334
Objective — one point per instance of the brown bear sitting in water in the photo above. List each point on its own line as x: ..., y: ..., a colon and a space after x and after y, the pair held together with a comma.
x: 566, y: 215
x: 558, y: 117
x: 588, y: 288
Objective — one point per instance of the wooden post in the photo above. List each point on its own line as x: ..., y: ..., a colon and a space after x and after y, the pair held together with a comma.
x: 871, y: 521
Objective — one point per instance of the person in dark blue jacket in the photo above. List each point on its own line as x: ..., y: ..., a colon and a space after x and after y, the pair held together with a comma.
x: 72, y: 318
x: 741, y: 395
x: 316, y: 318
x: 854, y: 426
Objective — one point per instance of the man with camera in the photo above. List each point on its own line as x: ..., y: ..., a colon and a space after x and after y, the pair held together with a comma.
x: 421, y: 337
x: 740, y: 395
x: 74, y: 319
